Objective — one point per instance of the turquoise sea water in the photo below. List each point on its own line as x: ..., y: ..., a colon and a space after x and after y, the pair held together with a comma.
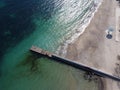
x: 46, y: 24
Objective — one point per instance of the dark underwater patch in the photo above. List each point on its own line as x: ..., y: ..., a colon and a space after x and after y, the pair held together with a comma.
x: 30, y: 61
x: 16, y: 20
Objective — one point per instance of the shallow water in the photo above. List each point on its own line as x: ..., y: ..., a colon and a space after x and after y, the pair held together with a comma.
x: 38, y: 73
x: 46, y: 24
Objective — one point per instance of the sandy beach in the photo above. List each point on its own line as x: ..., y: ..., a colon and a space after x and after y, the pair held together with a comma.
x: 94, y: 49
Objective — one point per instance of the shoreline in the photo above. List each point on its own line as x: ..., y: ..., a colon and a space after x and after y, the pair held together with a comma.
x: 93, y: 49
x: 62, y: 49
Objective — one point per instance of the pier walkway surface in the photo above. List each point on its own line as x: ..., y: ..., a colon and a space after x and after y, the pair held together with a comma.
x: 75, y: 64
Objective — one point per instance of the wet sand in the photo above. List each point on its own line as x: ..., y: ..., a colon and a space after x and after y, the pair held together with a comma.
x: 94, y: 49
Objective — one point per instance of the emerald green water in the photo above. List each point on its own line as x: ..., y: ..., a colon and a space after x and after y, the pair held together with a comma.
x: 47, y: 24
x: 38, y: 73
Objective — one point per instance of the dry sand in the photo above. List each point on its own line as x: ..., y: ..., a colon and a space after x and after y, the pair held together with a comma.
x: 94, y: 49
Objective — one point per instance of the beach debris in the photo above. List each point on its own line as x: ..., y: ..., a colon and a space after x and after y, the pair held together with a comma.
x: 90, y: 76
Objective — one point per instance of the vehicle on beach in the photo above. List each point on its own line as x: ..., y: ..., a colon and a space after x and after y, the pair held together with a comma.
x: 118, y: 2
x: 109, y: 32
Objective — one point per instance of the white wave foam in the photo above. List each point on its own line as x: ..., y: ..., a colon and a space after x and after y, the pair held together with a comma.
x: 62, y: 50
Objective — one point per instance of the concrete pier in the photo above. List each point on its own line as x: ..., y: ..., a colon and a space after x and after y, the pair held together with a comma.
x: 40, y: 51
x: 74, y: 63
